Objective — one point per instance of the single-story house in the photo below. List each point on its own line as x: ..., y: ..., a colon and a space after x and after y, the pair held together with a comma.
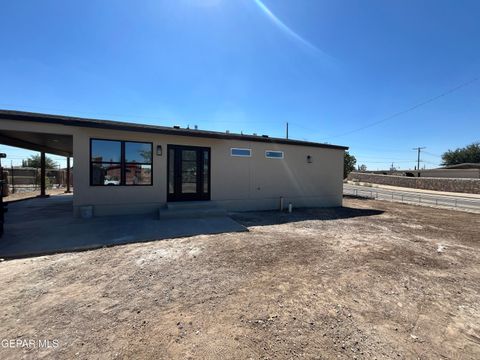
x: 124, y: 168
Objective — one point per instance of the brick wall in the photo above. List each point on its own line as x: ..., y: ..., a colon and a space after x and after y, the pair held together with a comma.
x: 471, y: 186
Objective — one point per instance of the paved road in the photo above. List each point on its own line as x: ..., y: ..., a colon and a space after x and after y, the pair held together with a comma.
x: 410, y: 195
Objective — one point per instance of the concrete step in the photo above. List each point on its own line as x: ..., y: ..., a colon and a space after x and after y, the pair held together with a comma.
x: 177, y: 205
x: 191, y: 213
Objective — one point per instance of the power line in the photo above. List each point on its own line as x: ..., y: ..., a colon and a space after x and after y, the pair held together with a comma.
x: 379, y: 158
x: 431, y: 154
x: 303, y: 127
x: 388, y: 162
x: 423, y: 103
x: 414, y: 107
x: 397, y: 150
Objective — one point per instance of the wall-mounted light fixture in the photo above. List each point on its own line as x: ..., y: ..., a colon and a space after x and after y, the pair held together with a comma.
x: 159, y: 150
x: 309, y: 159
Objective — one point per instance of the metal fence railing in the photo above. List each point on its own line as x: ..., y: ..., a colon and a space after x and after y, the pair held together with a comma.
x: 414, y: 198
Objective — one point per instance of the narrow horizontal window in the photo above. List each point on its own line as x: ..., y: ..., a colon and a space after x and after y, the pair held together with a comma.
x: 240, y: 152
x: 271, y: 154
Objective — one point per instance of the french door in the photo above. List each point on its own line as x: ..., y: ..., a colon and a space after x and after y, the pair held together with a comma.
x: 188, y: 173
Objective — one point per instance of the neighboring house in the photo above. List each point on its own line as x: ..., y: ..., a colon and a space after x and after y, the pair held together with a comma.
x: 124, y: 168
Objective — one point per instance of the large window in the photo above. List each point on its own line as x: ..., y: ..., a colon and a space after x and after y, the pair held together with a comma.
x: 120, y: 163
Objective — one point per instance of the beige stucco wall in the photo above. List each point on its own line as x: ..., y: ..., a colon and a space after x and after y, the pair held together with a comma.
x: 236, y: 183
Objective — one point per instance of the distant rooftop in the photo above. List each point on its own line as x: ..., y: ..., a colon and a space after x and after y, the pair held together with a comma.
x: 174, y: 130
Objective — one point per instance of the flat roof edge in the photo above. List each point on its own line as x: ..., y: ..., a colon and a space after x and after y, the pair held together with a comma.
x: 125, y: 126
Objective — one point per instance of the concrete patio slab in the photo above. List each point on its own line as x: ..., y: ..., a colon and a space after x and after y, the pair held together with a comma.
x: 46, y: 225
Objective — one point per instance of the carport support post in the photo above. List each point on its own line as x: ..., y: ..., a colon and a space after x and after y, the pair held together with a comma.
x: 42, y: 174
x: 68, y: 175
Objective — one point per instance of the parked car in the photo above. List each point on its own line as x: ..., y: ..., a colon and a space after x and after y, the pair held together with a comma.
x: 111, y: 182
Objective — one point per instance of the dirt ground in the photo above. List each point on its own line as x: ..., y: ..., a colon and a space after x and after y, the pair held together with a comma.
x: 372, y: 280
x: 31, y: 194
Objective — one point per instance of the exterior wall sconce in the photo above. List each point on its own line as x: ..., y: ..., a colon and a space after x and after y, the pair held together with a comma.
x: 159, y: 150
x: 309, y: 159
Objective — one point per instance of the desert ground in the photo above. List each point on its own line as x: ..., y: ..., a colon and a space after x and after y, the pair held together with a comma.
x: 371, y: 280
x: 31, y: 194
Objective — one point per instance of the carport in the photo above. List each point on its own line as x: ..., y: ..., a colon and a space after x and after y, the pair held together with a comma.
x: 57, y: 144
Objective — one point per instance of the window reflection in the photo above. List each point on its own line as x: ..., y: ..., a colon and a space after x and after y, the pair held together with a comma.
x: 138, y: 152
x: 106, y: 151
x: 171, y: 164
x: 120, y: 163
x: 106, y: 174
x: 136, y: 174
x: 189, y: 171
x: 205, y: 172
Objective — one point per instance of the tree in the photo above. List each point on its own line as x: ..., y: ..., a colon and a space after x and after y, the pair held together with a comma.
x: 349, y: 162
x: 468, y: 154
x: 34, y: 161
x: 146, y: 155
x: 362, y: 167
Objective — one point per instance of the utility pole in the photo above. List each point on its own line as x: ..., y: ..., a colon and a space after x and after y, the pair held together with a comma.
x: 419, y: 149
x: 287, y: 129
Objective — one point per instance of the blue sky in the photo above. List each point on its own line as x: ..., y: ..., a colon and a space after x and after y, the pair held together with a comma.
x: 326, y: 67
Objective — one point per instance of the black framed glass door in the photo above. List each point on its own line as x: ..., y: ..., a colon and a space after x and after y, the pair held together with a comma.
x: 188, y: 173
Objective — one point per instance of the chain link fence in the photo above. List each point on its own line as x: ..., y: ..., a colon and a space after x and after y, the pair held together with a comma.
x: 27, y: 179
